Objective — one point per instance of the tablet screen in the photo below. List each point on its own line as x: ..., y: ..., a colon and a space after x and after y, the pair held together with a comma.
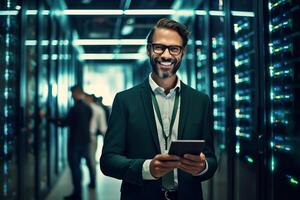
x: 181, y: 147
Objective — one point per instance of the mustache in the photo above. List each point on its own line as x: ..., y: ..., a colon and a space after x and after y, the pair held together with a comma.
x: 172, y: 60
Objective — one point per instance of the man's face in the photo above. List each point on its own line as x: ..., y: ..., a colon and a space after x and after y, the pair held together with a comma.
x: 165, y: 61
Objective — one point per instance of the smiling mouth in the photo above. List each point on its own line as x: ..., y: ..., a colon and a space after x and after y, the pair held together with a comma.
x: 166, y: 65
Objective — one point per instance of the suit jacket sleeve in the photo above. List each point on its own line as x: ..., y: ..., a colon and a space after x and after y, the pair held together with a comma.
x: 208, y: 136
x: 113, y: 161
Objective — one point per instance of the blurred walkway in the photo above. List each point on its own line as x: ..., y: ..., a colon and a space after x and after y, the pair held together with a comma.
x: 106, y: 188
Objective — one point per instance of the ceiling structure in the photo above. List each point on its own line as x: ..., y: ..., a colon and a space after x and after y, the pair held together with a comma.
x: 101, y: 26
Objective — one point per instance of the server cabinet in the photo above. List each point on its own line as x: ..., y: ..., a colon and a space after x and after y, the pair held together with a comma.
x: 284, y: 97
x: 202, y: 49
x: 9, y: 62
x: 219, y: 93
x: 234, y: 82
x: 42, y: 136
x: 246, y: 100
x: 30, y: 117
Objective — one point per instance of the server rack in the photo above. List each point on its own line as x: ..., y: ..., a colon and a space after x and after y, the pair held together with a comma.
x: 235, y: 85
x: 28, y: 90
x: 246, y: 162
x: 212, y: 69
x: 9, y: 40
x: 201, y: 52
x: 30, y: 107
x: 283, y: 97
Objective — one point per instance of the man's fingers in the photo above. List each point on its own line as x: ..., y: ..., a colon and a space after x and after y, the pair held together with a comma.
x: 192, y: 163
x: 191, y: 170
x: 166, y: 164
x: 167, y: 157
x: 195, y: 157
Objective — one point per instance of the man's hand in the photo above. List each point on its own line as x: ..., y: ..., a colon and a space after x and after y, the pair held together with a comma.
x: 162, y: 164
x: 193, y: 164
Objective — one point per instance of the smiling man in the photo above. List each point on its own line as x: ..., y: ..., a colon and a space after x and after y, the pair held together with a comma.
x: 146, y: 118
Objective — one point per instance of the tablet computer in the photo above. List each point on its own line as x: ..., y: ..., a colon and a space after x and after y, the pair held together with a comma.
x: 181, y: 147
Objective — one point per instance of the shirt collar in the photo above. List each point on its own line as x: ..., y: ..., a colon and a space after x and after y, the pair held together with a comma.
x: 157, y: 89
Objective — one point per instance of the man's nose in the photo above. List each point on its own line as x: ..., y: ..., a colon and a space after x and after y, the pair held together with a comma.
x: 166, y: 54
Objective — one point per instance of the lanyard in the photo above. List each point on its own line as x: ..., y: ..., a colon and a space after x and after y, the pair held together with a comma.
x: 157, y: 110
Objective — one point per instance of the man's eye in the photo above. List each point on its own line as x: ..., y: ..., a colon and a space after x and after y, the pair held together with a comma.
x: 159, y: 48
x: 174, y: 49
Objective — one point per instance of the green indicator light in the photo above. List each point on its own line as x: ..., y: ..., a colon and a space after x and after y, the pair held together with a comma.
x: 294, y: 181
x: 249, y: 159
x: 237, y: 148
x: 272, y: 164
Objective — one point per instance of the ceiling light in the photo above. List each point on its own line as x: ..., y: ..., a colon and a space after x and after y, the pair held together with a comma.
x: 242, y: 14
x: 150, y: 12
x: 8, y: 12
x: 184, y: 12
x: 200, y: 12
x: 216, y: 13
x: 109, y: 42
x: 93, y: 12
x: 46, y: 42
x: 110, y: 56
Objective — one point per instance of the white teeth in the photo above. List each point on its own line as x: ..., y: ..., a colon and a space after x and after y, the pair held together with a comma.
x: 166, y: 63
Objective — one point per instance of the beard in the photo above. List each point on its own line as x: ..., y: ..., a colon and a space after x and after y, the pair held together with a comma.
x: 162, y: 73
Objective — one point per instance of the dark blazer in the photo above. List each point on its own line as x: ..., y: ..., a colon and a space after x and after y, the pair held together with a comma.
x: 78, y: 120
x: 132, y: 138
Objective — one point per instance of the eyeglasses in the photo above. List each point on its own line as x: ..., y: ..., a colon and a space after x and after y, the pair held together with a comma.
x: 174, y: 50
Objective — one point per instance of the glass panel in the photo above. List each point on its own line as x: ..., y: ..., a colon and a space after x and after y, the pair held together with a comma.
x: 9, y: 56
x: 284, y: 56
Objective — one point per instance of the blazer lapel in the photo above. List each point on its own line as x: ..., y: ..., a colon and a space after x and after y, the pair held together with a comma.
x: 146, y: 96
x: 184, y: 106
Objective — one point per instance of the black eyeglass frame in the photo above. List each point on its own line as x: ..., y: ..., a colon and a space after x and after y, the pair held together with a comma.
x: 164, y: 47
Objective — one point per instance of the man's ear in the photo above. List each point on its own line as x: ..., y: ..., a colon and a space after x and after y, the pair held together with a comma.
x: 183, y: 51
x: 148, y: 47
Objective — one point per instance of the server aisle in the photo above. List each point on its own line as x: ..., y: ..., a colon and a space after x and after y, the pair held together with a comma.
x: 284, y: 98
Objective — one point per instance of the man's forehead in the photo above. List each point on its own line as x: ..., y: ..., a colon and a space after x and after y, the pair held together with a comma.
x: 166, y: 36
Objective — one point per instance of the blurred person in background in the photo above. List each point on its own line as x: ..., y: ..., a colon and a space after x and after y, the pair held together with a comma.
x: 146, y: 118
x: 99, y: 101
x: 78, y: 120
x: 97, y: 125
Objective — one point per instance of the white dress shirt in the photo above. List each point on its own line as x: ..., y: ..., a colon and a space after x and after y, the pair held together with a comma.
x: 166, y: 104
x: 98, y: 120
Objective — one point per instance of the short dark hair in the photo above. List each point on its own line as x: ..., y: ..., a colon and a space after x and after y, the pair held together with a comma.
x: 173, y: 25
x: 76, y: 88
